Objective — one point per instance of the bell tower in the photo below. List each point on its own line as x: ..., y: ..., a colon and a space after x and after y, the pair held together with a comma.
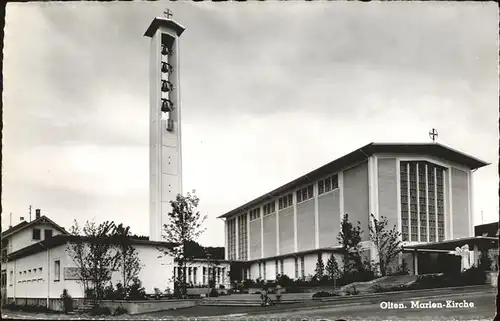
x: 165, y: 157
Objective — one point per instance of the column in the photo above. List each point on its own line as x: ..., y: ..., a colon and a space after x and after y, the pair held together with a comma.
x: 277, y: 227
x: 226, y: 242
x: 261, y: 232
x: 237, y: 229
x: 295, y: 235
x: 248, y: 236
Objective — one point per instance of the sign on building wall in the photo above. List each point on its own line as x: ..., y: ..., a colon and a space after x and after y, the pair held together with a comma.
x: 71, y: 273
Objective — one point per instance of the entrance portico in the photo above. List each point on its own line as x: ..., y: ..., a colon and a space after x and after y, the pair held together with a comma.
x: 435, y: 257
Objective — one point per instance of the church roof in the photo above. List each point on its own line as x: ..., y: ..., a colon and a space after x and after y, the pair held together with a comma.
x: 361, y: 155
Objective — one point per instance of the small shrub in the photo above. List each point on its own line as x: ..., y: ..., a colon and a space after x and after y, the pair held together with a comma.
x: 120, y: 310
x: 284, y: 280
x: 136, y: 290
x: 109, y: 292
x: 322, y: 294
x: 100, y: 311
x: 90, y: 293
x: 67, y: 301
x: 222, y: 287
x: 120, y: 292
x: 213, y: 293
x: 474, y: 276
x: 248, y: 283
x: 10, y: 306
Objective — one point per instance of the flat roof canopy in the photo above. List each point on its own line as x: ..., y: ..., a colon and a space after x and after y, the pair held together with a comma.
x: 480, y: 241
x: 361, y: 155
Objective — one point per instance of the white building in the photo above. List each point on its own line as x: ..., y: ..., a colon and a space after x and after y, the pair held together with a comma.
x: 36, y: 265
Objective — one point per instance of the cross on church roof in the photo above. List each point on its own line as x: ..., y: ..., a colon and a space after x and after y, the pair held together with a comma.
x: 433, y: 134
x: 168, y: 13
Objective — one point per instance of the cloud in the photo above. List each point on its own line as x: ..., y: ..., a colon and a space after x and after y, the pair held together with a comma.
x: 269, y: 92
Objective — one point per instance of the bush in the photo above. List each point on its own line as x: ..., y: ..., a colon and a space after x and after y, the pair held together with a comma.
x: 323, y: 294
x: 67, y: 301
x: 248, y: 283
x: 402, y: 269
x: 100, y: 311
x: 136, y: 290
x: 109, y: 292
x: 26, y: 308
x: 474, y: 276
x: 213, y: 293
x: 120, y: 310
x: 90, y: 293
x: 222, y: 287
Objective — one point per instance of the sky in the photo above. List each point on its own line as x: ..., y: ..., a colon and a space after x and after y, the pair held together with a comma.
x: 269, y: 92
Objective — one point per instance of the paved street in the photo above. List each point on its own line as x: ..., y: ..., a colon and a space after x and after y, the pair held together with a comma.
x: 363, y: 309
x: 483, y: 308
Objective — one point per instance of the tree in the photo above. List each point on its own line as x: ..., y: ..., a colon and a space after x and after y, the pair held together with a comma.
x: 350, y: 238
x: 332, y: 269
x: 128, y: 258
x: 94, y: 254
x: 184, y: 226
x: 320, y: 269
x: 387, y: 243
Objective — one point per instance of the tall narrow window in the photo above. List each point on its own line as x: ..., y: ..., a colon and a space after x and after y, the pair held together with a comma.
x: 282, y: 266
x: 404, y: 201
x: 204, y: 275
x: 36, y: 234
x: 57, y: 270
x: 264, y: 270
x: 276, y: 267
x: 195, y: 281
x: 11, y: 278
x: 440, y: 203
x: 48, y: 234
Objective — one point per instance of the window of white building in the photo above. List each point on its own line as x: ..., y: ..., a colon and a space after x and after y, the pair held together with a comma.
x: 36, y: 234
x: 57, y: 270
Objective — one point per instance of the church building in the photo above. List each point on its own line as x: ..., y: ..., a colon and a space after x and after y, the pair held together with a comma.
x: 422, y: 189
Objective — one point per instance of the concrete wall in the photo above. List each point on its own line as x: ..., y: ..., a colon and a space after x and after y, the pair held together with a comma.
x: 286, y: 231
x: 156, y: 272
x: 269, y: 235
x: 329, y: 218
x: 24, y: 238
x: 387, y: 190
x: 356, y: 196
x: 460, y: 203
x: 306, y: 225
x: 255, y: 239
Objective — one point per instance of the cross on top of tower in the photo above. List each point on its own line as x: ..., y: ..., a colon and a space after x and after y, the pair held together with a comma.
x: 433, y: 134
x: 168, y: 13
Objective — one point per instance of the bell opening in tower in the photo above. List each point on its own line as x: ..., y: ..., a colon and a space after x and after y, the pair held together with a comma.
x: 167, y: 86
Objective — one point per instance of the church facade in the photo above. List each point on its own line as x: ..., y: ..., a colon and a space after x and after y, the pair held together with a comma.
x: 422, y: 189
